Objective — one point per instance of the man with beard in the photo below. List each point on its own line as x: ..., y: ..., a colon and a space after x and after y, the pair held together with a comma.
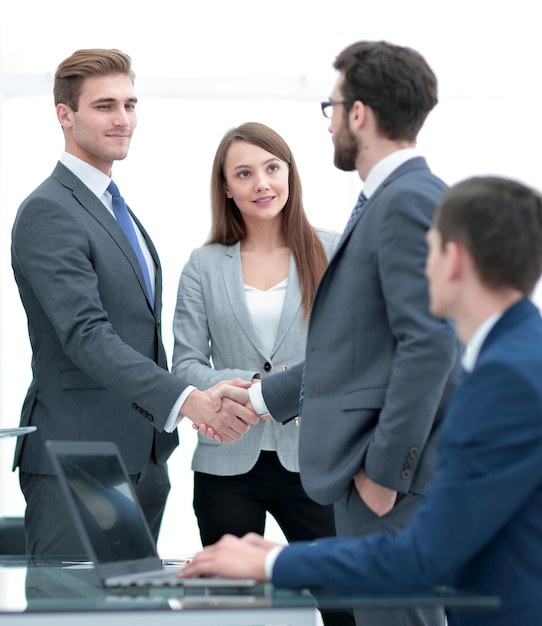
x: 379, y: 367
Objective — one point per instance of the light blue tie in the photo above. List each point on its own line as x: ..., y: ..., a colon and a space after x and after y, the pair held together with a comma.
x: 125, y: 222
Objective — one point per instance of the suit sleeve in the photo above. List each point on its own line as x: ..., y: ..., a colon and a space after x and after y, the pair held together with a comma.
x: 192, y: 353
x: 53, y: 257
x: 281, y: 393
x: 425, y: 347
x: 484, y: 500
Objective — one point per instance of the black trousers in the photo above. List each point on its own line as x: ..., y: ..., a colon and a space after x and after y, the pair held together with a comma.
x: 239, y: 504
x: 49, y: 528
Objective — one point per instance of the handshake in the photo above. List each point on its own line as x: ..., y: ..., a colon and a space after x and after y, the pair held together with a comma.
x: 222, y: 413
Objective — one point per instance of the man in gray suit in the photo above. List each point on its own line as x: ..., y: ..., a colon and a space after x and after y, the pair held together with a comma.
x: 379, y: 367
x: 90, y: 281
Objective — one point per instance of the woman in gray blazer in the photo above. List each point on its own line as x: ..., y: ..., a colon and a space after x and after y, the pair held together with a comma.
x: 242, y: 310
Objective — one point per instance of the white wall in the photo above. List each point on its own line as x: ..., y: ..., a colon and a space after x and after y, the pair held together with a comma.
x: 216, y: 65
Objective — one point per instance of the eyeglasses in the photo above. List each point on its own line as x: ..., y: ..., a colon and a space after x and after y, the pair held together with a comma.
x: 327, y: 109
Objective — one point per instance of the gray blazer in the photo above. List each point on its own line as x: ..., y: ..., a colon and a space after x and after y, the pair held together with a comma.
x: 215, y: 340
x: 379, y: 367
x: 98, y: 363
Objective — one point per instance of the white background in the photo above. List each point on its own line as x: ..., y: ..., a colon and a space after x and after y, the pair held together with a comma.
x: 205, y: 67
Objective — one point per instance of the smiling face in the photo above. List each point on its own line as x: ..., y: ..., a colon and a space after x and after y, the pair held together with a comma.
x: 99, y: 132
x: 256, y: 180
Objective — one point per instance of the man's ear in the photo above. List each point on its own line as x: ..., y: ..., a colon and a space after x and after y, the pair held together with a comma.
x: 64, y: 114
x: 457, y: 259
x: 358, y: 115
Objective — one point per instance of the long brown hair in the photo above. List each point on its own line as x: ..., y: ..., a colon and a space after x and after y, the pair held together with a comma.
x: 228, y: 226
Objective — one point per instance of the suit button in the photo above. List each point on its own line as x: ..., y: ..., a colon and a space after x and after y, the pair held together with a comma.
x: 405, y: 474
x: 411, y: 458
x: 413, y: 451
x: 150, y: 417
x: 134, y: 406
x: 267, y: 366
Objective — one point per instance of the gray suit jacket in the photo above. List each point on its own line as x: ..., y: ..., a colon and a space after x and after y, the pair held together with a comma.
x: 215, y: 340
x: 98, y: 363
x: 379, y: 367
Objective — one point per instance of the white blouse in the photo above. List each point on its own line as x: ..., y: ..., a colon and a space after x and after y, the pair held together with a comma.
x: 265, y: 308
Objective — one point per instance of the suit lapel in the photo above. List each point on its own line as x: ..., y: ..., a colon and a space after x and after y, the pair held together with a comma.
x: 513, y: 316
x: 415, y: 163
x: 232, y: 273
x: 292, y: 302
x: 233, y: 280
x: 157, y: 266
x: 95, y: 207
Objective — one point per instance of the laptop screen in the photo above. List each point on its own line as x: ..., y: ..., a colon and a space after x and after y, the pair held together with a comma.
x: 106, y: 506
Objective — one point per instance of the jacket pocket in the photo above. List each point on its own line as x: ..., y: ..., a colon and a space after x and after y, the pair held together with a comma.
x: 369, y: 398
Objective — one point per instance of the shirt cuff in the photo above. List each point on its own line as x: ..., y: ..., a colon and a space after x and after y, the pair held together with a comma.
x: 256, y: 399
x: 175, y: 415
x: 270, y: 559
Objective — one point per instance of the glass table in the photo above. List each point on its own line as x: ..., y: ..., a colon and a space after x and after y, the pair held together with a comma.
x: 66, y: 593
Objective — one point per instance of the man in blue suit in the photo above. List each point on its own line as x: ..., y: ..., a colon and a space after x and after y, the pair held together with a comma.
x: 479, y: 527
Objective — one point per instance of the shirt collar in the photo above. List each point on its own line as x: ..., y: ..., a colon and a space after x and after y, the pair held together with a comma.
x: 470, y: 356
x: 92, y: 177
x: 385, y: 167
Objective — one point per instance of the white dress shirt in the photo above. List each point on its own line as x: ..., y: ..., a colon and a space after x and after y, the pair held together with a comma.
x: 470, y: 356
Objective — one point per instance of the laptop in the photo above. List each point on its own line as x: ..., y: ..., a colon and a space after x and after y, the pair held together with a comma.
x: 109, y: 519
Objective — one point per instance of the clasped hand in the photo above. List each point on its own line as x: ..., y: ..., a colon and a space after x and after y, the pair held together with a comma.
x: 223, y: 412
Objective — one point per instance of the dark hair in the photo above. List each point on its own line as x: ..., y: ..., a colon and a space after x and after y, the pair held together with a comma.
x: 82, y: 64
x: 398, y: 79
x: 228, y: 226
x: 499, y: 221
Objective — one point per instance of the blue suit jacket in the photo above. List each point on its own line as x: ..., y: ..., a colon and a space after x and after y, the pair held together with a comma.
x: 480, y: 526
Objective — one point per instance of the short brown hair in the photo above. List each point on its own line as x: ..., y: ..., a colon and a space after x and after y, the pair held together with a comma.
x: 228, y: 226
x: 71, y: 73
x: 499, y: 221
x: 398, y: 79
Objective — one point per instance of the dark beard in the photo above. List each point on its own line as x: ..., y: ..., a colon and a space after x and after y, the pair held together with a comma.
x: 346, y: 151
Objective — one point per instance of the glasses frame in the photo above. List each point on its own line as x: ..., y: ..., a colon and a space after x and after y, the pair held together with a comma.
x: 332, y: 103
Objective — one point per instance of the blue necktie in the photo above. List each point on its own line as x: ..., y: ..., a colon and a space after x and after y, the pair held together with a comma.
x: 125, y: 222
x: 362, y: 199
